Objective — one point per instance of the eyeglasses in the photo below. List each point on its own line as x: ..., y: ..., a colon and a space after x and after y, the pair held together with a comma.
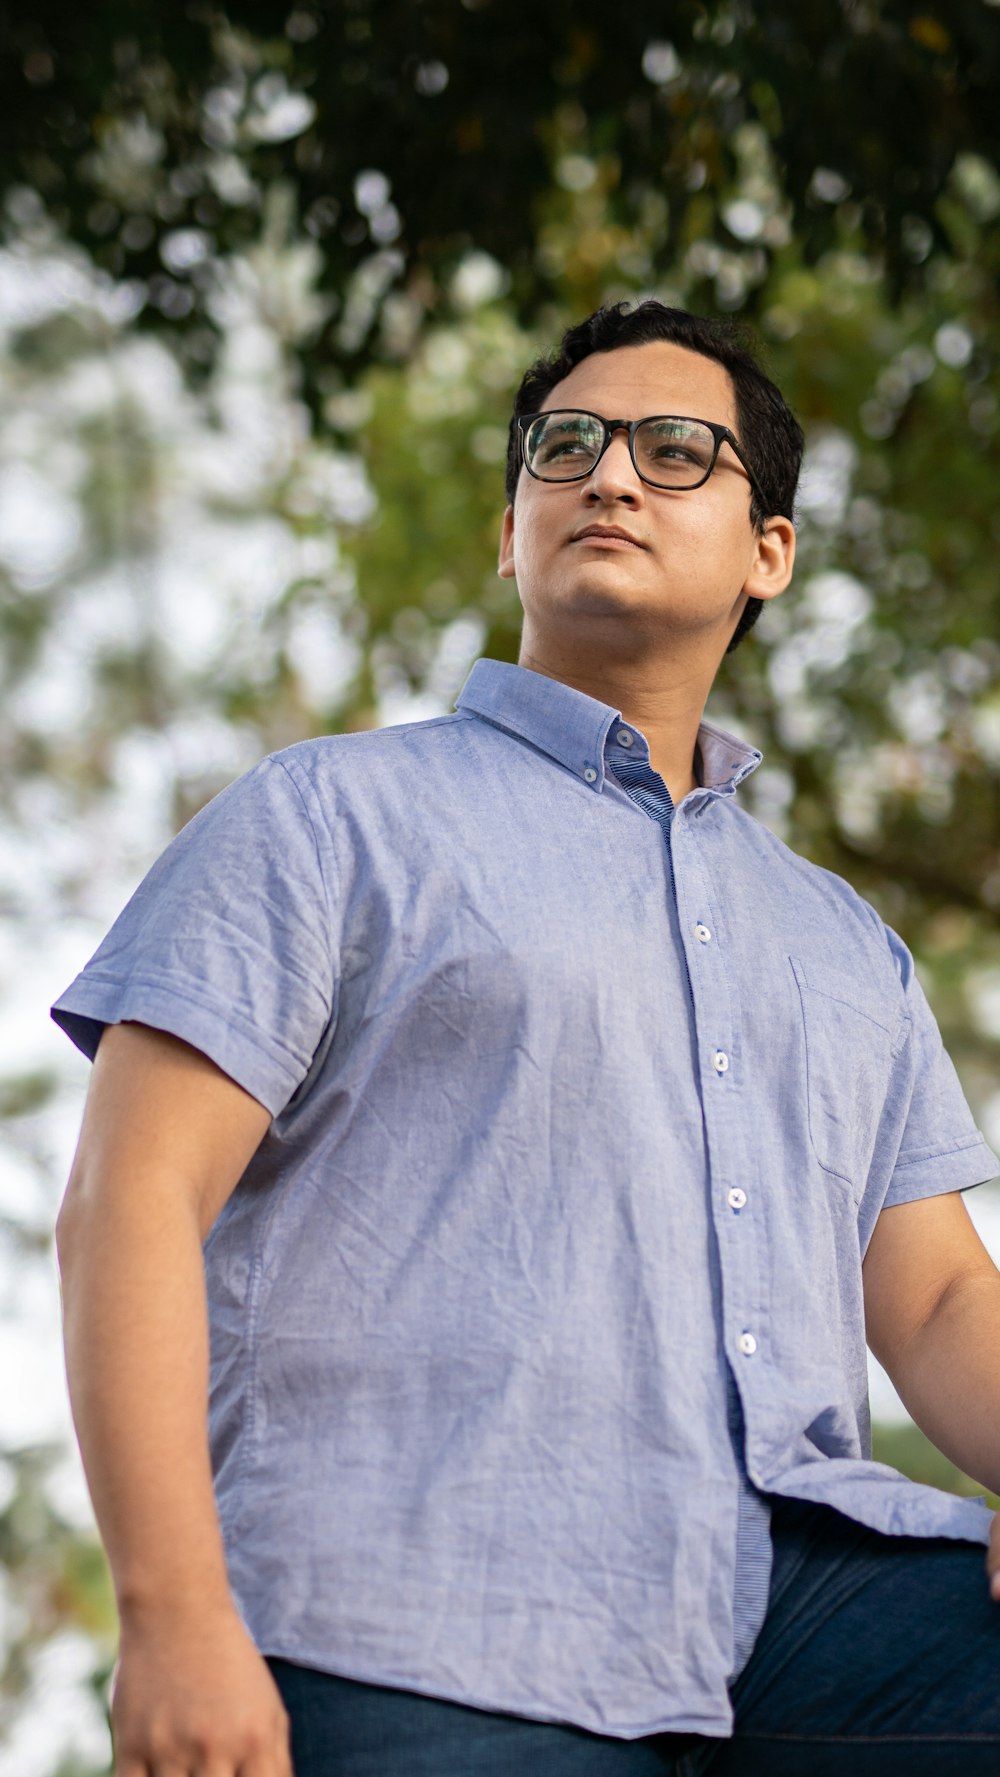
x: 667, y: 449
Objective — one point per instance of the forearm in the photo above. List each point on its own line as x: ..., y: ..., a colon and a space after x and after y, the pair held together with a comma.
x: 166, y: 1136
x: 948, y: 1377
x: 137, y: 1363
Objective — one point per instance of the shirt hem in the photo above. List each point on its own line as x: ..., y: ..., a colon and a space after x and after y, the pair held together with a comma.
x: 713, y: 1727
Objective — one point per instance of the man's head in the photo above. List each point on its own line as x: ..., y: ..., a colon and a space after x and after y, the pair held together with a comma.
x: 769, y: 436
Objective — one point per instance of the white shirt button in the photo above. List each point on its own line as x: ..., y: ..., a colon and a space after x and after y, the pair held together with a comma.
x: 736, y: 1198
x: 720, y: 1061
x: 703, y: 934
x: 590, y: 775
x: 747, y: 1344
x: 624, y: 738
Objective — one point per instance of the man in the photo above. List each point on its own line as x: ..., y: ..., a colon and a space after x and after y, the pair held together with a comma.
x: 537, y: 1108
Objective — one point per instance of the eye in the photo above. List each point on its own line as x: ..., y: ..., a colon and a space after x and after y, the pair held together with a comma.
x: 672, y: 451
x: 558, y: 445
x: 563, y: 440
x: 672, y: 442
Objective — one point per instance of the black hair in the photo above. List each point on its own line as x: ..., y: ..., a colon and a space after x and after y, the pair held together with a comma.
x: 768, y: 430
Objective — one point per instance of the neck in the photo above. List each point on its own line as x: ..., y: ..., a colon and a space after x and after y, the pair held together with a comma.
x: 665, y: 699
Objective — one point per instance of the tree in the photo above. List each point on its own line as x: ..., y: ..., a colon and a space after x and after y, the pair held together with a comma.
x: 151, y: 134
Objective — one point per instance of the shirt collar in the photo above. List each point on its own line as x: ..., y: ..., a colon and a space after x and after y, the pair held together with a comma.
x: 572, y: 728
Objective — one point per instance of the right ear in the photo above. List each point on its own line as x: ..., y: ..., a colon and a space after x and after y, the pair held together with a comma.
x: 505, y: 563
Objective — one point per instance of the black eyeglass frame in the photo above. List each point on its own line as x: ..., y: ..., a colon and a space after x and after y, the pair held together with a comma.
x: 721, y: 434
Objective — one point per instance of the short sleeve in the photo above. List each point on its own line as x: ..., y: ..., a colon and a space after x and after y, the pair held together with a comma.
x: 941, y: 1148
x: 225, y: 944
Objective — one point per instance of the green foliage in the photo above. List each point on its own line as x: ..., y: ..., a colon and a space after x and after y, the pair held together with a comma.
x: 905, y: 1448
x: 151, y: 134
x: 57, y: 1586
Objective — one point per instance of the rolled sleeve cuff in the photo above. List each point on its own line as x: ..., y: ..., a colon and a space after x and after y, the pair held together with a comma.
x: 930, y: 1172
x: 87, y: 1007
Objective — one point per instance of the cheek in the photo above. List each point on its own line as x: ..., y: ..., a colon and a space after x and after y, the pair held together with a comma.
x: 719, y: 548
x: 533, y: 540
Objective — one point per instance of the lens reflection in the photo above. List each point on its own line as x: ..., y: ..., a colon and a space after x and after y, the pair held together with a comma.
x: 668, y: 450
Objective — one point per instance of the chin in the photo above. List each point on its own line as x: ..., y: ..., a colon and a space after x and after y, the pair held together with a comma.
x: 596, y: 595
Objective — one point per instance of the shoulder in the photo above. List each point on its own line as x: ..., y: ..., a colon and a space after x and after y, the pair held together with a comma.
x: 370, y: 750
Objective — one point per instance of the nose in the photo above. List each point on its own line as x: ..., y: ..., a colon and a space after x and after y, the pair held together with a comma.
x: 614, y: 477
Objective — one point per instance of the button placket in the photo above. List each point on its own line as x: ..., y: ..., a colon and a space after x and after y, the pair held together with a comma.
x: 737, y: 1247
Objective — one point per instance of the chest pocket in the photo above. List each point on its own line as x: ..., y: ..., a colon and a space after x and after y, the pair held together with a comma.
x: 853, y: 1034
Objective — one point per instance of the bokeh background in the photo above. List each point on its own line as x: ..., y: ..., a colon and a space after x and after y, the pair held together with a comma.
x: 268, y: 277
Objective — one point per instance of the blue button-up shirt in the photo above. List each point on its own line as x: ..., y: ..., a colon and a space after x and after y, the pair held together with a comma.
x: 561, y: 1136
x: 626, y: 754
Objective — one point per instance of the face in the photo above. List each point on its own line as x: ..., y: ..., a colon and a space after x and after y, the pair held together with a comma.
x: 610, y: 550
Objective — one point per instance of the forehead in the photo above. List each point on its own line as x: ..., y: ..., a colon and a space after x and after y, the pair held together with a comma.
x: 633, y: 381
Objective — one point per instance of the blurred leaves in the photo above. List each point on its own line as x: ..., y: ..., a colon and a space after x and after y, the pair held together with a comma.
x: 153, y: 134
x: 59, y: 1624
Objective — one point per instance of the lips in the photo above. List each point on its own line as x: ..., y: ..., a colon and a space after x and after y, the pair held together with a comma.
x: 610, y: 533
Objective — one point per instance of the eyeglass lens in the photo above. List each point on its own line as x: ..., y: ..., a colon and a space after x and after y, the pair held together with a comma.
x: 669, y: 451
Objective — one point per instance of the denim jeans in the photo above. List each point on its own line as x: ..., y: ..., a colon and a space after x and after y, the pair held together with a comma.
x: 879, y: 1657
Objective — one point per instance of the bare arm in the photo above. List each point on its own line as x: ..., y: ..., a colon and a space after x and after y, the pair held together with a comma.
x: 165, y: 1138
x: 932, y: 1307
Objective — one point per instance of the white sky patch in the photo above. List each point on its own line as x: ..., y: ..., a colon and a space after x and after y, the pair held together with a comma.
x: 837, y: 599
x: 149, y: 377
x: 29, y: 1040
x: 431, y: 78
x: 660, y: 63
x: 61, y: 1718
x: 55, y: 698
x: 744, y: 218
x: 323, y: 661
x: 833, y: 608
x: 22, y: 1199
x: 576, y: 172
x: 984, y: 725
x: 954, y: 345
x: 220, y: 579
x: 983, y: 991
x: 827, y: 471
x: 202, y: 745
x: 460, y: 644
x: 919, y: 708
x: 40, y: 529
x: 34, y: 1408
x: 333, y: 486
x: 277, y: 113
x: 33, y: 287
x: 829, y: 186
x: 371, y: 191
x: 447, y: 355
x: 183, y: 248
x: 479, y: 278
